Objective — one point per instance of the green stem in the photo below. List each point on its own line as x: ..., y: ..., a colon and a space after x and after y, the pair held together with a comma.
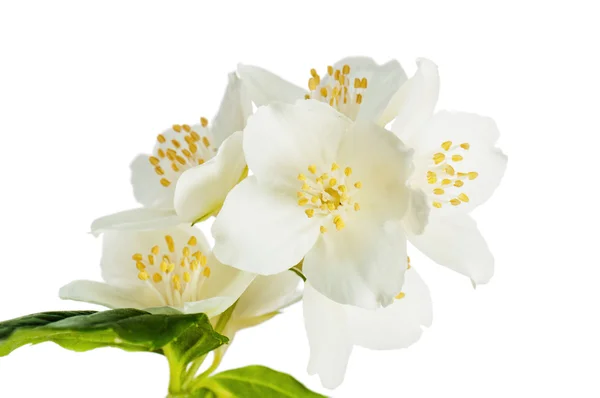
x: 298, y: 272
x: 199, y: 381
x: 191, y: 372
x: 175, y: 371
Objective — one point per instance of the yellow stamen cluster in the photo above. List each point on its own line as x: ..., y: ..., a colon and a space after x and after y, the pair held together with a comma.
x: 175, y: 276
x: 328, y: 193
x: 180, y: 148
x: 446, y: 181
x: 338, y: 89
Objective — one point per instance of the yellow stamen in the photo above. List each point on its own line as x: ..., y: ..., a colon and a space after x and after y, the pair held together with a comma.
x: 157, y: 278
x: 323, y: 229
x: 161, y: 138
x: 439, y: 158
x: 431, y: 177
x: 164, y: 182
x: 437, y: 205
x: 137, y: 257
x: 400, y: 296
x: 457, y: 158
x: 309, y: 213
x: 192, y: 241
x: 473, y: 175
x: 204, y: 121
x: 358, y: 184
x: 170, y: 243
x: 455, y: 202
x: 465, y: 145
x: 312, y: 168
x: 458, y: 183
x: 463, y: 197
x: 356, y: 207
x: 438, y: 191
x: 154, y: 160
x: 206, y: 272
x: 143, y: 275
x: 446, y: 145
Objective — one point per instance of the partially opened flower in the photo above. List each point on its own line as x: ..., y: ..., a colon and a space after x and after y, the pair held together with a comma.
x: 180, y: 150
x: 334, y: 329
x: 457, y: 166
x: 356, y: 86
x: 326, y: 191
x: 161, y: 268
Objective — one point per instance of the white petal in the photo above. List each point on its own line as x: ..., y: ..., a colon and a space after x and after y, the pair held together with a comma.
x: 265, y: 87
x: 261, y: 230
x: 201, y: 190
x: 268, y: 294
x: 282, y: 140
x: 396, y: 326
x: 136, y: 219
x: 233, y: 112
x: 328, y: 337
x: 482, y: 157
x: 384, y: 83
x: 415, y: 218
x: 455, y: 241
x: 212, y: 306
x: 107, y: 295
x: 118, y: 247
x: 381, y: 163
x: 225, y: 281
x: 361, y: 265
x: 146, y: 189
x: 416, y: 100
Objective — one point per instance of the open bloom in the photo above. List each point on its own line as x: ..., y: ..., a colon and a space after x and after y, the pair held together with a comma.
x: 173, y: 267
x: 457, y: 166
x: 356, y: 86
x: 334, y: 329
x: 326, y: 191
x: 178, y: 153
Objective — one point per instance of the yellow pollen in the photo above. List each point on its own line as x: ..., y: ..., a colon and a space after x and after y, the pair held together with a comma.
x: 306, y: 96
x: 359, y: 99
x: 446, y: 145
x: 204, y: 121
x: 310, y: 212
x: 312, y: 84
x: 439, y: 158
x: 175, y: 143
x: 334, y: 166
x: 348, y: 171
x: 330, y: 70
x: 438, y: 191
x: 356, y: 82
x: 463, y: 197
x: 313, y: 72
x: 206, y: 272
x: 193, y: 147
x: 346, y: 69
x: 186, y: 277
x: 194, y: 265
x: 356, y: 207
x: 205, y: 141
x: 186, y: 251
x: 455, y: 202
x: 331, y: 206
x: 170, y: 243
x: 473, y: 175
x: 180, y: 159
x: 465, y: 145
x: 143, y: 275
x: 151, y: 259
x: 195, y: 136
x: 312, y: 168
x: 458, y: 183
x: 302, y: 201
x: 363, y: 83
x: 431, y: 177
x: 177, y: 128
x: 449, y: 170
x: 305, y: 186
x: 358, y: 184
x: 161, y: 153
x: 154, y: 160
x: 446, y: 181
x: 164, y: 266
x: 323, y: 229
x: 137, y: 257
x: 159, y: 170
x: 332, y: 182
x: 300, y: 194
x: 140, y: 266
x: 192, y: 241
x: 186, y: 127
x: 314, y: 199
x: 161, y: 138
x: 457, y: 158
x: 437, y: 205
x: 155, y: 250
x: 323, y: 91
x: 157, y: 278
x: 174, y: 167
x: 342, y: 188
x: 400, y: 296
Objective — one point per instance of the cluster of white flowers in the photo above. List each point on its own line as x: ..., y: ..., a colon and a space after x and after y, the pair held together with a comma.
x: 330, y: 182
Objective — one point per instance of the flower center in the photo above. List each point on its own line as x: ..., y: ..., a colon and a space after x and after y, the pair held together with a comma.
x: 446, y: 181
x: 179, y: 149
x: 328, y: 193
x: 338, y: 90
x: 174, y: 277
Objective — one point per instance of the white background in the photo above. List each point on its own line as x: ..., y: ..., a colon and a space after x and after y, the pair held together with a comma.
x: 86, y: 86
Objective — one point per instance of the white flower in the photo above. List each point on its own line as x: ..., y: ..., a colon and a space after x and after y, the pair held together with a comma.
x: 178, y: 153
x: 325, y: 190
x: 333, y: 329
x: 457, y: 166
x: 161, y: 268
x: 356, y: 86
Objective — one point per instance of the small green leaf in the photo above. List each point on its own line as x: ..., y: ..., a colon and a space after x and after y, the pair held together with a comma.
x: 128, y: 329
x: 253, y: 382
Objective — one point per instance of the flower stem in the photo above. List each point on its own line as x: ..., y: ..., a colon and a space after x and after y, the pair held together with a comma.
x: 175, y: 371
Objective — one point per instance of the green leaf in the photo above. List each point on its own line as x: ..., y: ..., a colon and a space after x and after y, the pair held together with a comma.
x: 128, y: 329
x: 253, y: 382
